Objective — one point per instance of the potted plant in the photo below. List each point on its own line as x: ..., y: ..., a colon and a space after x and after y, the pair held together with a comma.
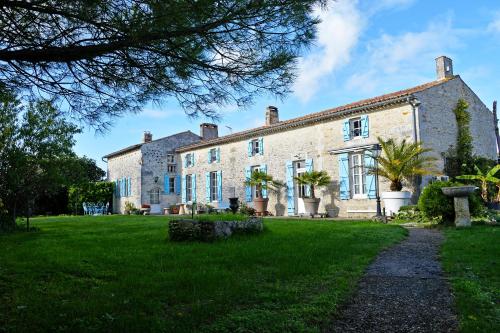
x: 313, y: 179
x: 129, y: 208
x: 174, y: 209
x: 399, y: 162
x: 262, y: 181
x: 484, y: 179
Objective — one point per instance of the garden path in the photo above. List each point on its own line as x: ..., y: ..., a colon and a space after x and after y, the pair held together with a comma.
x: 403, y: 290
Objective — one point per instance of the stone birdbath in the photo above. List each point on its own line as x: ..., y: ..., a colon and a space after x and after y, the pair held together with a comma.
x: 460, y: 197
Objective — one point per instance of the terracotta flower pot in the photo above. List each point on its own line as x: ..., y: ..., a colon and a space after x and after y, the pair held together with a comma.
x: 260, y: 205
x: 311, y: 205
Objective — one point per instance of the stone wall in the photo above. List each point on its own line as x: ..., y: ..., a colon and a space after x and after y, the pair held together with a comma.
x: 438, y: 127
x: 207, y: 231
x: 314, y: 141
x: 126, y: 165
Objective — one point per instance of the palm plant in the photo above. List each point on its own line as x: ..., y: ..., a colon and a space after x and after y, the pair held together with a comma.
x: 262, y: 181
x: 401, y: 161
x: 485, y: 178
x: 314, y: 179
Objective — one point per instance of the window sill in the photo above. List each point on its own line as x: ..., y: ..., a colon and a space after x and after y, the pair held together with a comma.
x: 360, y: 196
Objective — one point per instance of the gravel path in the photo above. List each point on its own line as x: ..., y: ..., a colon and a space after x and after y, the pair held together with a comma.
x: 402, y: 291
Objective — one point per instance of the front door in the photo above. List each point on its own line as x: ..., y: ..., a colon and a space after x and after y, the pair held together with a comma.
x: 299, y: 190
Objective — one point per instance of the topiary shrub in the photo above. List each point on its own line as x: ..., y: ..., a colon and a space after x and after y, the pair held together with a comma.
x: 434, y: 204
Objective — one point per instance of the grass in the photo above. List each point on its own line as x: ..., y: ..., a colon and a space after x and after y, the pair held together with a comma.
x: 120, y: 274
x: 471, y: 260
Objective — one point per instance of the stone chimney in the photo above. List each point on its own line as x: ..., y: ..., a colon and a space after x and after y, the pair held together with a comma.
x: 444, y: 68
x: 148, y: 137
x: 272, y: 116
x: 209, y: 131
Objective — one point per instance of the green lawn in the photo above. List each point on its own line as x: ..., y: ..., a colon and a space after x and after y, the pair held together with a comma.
x: 471, y: 258
x: 121, y: 274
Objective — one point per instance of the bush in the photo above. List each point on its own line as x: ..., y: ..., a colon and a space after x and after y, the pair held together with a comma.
x: 246, y: 210
x: 96, y: 192
x: 434, y: 204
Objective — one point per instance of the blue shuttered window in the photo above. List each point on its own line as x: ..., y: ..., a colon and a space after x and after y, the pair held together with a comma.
x: 261, y: 145
x: 364, y: 126
x: 344, y: 176
x: 209, y: 156
x: 166, y: 184
x: 346, y: 132
x: 193, y: 188
x: 217, y: 155
x: 289, y: 188
x: 248, y: 189
x: 219, y: 186
x: 177, y: 184
x: 263, y: 168
x: 370, y: 178
x: 250, y: 148
x: 183, y: 191
x: 123, y: 193
x: 207, y: 187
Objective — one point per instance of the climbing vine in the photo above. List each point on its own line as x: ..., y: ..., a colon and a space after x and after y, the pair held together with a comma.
x: 464, y: 138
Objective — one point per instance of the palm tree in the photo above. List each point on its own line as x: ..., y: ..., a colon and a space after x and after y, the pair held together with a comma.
x: 401, y: 161
x: 314, y: 179
x: 485, y: 178
x: 262, y: 181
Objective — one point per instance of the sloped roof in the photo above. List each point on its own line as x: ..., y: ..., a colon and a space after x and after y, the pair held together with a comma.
x: 370, y: 103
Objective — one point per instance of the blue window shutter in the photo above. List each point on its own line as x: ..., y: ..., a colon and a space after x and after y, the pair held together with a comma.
x: 263, y: 168
x: 364, y: 126
x: 248, y: 189
x: 219, y: 186
x: 123, y: 194
x: 290, y: 188
x: 371, y: 190
x: 116, y: 188
x: 207, y: 187
x: 193, y: 188
x: 166, y: 183
x: 177, y: 184
x: 344, y: 176
x: 250, y: 148
x: 129, y: 186
x: 217, y: 155
x: 209, y: 156
x: 309, y: 168
x: 261, y: 145
x: 345, y: 130
x: 183, y: 184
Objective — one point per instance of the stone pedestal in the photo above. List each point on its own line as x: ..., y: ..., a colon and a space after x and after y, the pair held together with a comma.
x: 462, y: 213
x: 182, y: 209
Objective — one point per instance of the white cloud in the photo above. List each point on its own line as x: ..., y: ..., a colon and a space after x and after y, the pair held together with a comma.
x: 494, y: 25
x: 391, y: 59
x: 338, y: 34
x: 390, y: 4
x: 157, y: 114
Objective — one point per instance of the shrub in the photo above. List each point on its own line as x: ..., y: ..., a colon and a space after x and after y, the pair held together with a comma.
x: 433, y: 203
x: 129, y: 207
x: 246, y: 210
x: 410, y: 214
x: 96, y: 192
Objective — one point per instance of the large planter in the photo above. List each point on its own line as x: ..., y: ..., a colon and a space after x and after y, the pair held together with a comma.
x: 260, y: 205
x: 311, y: 205
x: 394, y: 200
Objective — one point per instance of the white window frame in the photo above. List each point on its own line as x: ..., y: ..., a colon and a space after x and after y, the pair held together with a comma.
x: 213, y: 155
x: 171, y: 185
x: 357, y: 168
x: 256, y: 148
x: 189, y: 188
x: 189, y: 161
x: 154, y: 196
x: 254, y: 188
x: 214, y: 186
x: 170, y: 158
x: 354, y: 130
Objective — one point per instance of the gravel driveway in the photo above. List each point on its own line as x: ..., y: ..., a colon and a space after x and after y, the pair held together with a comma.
x: 402, y: 291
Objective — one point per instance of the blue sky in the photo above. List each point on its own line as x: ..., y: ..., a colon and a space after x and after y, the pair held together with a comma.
x: 365, y: 48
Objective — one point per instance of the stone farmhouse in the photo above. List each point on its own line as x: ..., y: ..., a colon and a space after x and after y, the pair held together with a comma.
x: 185, y: 167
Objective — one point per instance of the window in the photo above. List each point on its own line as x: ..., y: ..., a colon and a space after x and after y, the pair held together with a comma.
x: 212, y: 155
x: 300, y: 167
x: 213, y: 186
x: 256, y: 147
x: 255, y: 194
x: 171, y: 185
x: 171, y: 168
x: 358, y: 174
x: 355, y: 127
x: 154, y: 196
x: 170, y: 158
x: 189, y: 160
x: 189, y: 188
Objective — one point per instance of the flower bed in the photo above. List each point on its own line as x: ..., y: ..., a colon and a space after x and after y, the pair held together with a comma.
x: 207, y: 231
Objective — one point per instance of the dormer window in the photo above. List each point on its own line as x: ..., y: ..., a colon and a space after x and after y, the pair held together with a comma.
x: 189, y: 160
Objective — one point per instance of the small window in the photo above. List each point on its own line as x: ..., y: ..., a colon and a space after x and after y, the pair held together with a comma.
x: 189, y: 188
x: 171, y: 185
x: 213, y: 155
x: 154, y: 196
x: 255, y: 193
x: 256, y: 147
x: 171, y: 168
x: 189, y: 160
x: 213, y: 186
x: 170, y: 158
x: 355, y: 127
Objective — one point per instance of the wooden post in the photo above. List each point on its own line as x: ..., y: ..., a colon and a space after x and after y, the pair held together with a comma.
x: 495, y: 116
